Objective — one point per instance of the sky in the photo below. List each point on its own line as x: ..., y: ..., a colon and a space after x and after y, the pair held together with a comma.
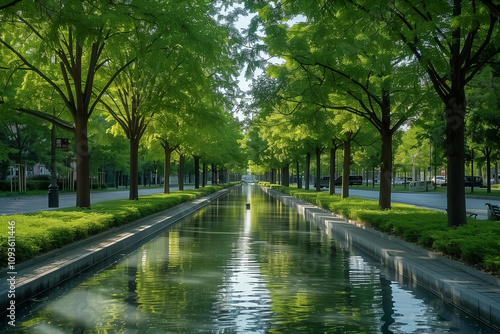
x: 245, y: 84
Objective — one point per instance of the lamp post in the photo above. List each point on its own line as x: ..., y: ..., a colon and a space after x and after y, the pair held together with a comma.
x: 472, y: 163
x: 53, y: 187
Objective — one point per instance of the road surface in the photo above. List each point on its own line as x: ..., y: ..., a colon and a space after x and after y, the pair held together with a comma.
x: 436, y: 201
x: 13, y: 205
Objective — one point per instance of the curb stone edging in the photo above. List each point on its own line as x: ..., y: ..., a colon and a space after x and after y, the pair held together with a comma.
x: 466, y: 288
x: 48, y: 270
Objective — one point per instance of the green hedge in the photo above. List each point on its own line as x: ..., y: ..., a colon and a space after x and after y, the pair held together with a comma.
x: 40, y: 232
x: 477, y: 243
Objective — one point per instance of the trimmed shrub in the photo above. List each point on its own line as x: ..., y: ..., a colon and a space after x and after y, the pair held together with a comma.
x: 43, y: 231
x: 476, y: 243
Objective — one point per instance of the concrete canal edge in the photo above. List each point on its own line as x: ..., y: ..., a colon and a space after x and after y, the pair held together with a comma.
x: 470, y: 290
x: 48, y: 270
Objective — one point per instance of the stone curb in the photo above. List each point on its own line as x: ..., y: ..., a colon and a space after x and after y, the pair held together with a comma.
x: 468, y: 289
x: 46, y: 271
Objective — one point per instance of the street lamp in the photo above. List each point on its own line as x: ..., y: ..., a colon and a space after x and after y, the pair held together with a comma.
x: 53, y: 187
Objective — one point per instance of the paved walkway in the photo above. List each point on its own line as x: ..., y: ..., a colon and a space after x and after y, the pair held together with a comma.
x: 13, y: 205
x: 435, y: 201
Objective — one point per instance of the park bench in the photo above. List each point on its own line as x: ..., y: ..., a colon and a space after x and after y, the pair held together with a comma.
x: 493, y: 211
x: 469, y: 214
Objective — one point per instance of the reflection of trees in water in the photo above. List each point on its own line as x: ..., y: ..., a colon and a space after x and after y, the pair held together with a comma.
x: 309, y: 277
x: 188, y: 279
x: 387, y: 305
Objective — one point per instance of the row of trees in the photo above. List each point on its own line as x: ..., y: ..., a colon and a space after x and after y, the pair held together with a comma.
x: 358, y: 71
x: 158, y: 72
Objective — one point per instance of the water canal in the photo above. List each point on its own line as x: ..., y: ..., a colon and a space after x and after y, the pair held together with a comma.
x: 231, y: 270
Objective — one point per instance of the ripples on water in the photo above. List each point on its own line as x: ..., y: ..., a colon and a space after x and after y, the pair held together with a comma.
x: 232, y: 270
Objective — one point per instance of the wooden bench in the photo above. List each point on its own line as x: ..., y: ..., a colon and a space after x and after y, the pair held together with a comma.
x: 493, y: 212
x: 469, y: 214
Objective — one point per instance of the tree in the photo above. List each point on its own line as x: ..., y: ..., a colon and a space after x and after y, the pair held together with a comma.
x: 351, y: 67
x: 291, y: 126
x: 482, y: 121
x: 27, y: 138
x: 69, y: 47
x: 413, y: 151
x: 368, y: 157
x: 452, y: 41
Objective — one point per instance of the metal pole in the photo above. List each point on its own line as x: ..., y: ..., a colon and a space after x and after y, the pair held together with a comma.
x: 53, y: 188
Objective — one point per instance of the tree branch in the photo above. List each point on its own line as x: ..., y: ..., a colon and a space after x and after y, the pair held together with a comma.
x: 65, y: 125
x: 108, y: 84
x: 10, y: 4
x: 37, y: 71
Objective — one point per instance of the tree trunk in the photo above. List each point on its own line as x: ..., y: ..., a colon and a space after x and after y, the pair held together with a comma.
x: 318, y: 169
x: 166, y: 170
x: 496, y: 172
x: 347, y: 166
x: 196, y: 172
x: 205, y: 170
x: 299, y: 179
x: 307, y: 170
x: 82, y: 163
x: 134, y: 170
x: 488, y: 170
x: 472, y: 171
x: 181, y: 172
x: 373, y: 176
x: 384, y: 200
x: 333, y: 152
x: 285, y: 176
x: 455, y: 147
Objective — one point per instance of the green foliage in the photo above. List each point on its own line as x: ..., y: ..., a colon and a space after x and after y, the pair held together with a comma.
x: 41, y: 232
x: 476, y: 243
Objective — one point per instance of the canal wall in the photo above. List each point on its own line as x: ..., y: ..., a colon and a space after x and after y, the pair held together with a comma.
x: 46, y: 271
x: 468, y: 289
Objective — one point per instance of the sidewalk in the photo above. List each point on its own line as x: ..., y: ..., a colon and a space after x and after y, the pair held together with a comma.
x: 472, y: 291
x: 15, y: 205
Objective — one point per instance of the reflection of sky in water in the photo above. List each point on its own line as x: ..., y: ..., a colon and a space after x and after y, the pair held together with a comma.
x: 232, y: 270
x: 243, y: 302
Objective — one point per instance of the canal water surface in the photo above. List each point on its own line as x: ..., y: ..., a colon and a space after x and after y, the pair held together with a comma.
x: 232, y: 270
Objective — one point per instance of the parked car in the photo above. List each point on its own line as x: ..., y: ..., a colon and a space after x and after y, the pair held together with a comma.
x: 353, y: 180
x: 402, y: 180
x: 324, y: 182
x: 477, y: 182
x: 439, y: 181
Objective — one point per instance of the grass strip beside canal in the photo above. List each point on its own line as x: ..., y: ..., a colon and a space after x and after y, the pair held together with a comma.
x: 44, y: 231
x: 477, y: 244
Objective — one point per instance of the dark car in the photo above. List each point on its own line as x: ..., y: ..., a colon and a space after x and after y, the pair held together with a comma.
x: 324, y: 182
x: 477, y: 182
x: 353, y: 180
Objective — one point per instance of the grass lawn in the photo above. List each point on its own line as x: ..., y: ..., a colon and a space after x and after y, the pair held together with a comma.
x: 40, y: 232
x: 476, y: 244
